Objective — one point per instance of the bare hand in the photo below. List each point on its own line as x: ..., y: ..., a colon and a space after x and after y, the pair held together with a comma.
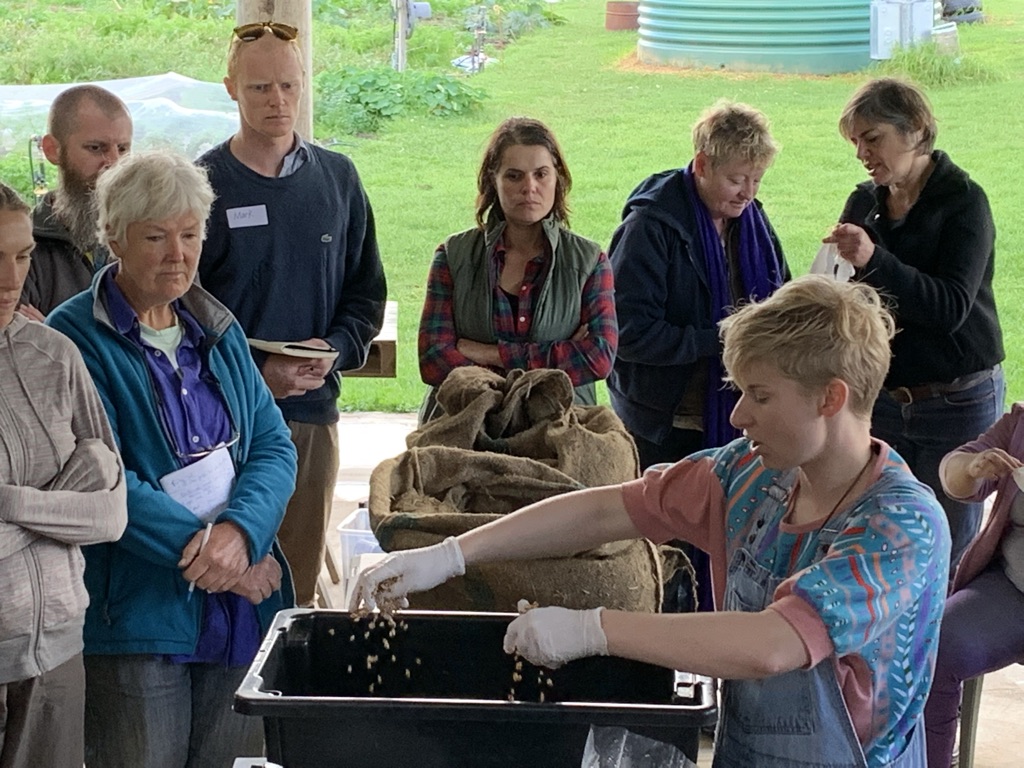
x: 480, y: 353
x: 992, y: 464
x: 31, y: 312
x: 260, y: 581
x: 222, y: 561
x: 288, y: 376
x: 853, y: 244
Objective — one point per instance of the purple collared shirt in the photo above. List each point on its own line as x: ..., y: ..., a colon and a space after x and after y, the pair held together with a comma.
x: 195, y: 418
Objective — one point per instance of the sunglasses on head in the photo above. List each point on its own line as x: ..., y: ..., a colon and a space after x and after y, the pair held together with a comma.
x: 249, y: 32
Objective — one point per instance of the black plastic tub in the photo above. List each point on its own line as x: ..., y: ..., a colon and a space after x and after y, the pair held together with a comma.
x: 433, y: 692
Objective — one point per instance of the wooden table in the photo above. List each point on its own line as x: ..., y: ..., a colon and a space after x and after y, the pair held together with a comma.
x: 381, y: 360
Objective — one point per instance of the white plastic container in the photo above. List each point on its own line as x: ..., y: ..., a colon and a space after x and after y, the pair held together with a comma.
x: 356, y: 539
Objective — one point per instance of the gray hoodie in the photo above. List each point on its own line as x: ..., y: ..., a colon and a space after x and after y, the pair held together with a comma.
x: 61, y: 486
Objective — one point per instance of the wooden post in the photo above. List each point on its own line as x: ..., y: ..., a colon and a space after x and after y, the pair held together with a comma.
x: 298, y: 13
x: 401, y: 11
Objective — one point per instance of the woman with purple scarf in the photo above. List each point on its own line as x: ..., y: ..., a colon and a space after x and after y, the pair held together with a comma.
x: 694, y: 242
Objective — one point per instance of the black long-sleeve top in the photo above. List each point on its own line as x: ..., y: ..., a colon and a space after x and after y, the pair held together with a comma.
x: 936, y: 266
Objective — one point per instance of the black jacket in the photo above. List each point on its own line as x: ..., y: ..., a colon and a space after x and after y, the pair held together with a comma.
x: 663, y: 303
x: 59, y: 269
x: 936, y: 265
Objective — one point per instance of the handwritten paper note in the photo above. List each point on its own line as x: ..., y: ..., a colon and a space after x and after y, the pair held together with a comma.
x: 205, y: 486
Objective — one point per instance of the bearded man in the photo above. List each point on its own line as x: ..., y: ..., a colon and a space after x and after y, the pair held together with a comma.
x: 88, y: 130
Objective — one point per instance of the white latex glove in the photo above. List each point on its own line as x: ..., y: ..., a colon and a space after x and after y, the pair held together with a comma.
x: 412, y: 570
x: 549, y: 637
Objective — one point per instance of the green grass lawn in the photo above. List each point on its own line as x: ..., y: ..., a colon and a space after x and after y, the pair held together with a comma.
x: 617, y: 123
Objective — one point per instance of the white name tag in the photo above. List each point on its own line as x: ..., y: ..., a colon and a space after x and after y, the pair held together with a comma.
x: 249, y: 216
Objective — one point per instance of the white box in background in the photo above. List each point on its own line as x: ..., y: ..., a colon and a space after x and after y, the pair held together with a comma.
x: 899, y: 22
x: 356, y: 539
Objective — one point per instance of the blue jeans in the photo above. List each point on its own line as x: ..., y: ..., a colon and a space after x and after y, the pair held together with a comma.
x: 142, y: 710
x: 982, y: 631
x: 926, y: 430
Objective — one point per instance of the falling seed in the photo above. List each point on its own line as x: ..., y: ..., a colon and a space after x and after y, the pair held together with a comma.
x: 366, y: 635
x: 519, y: 665
x: 371, y: 690
x: 516, y: 677
x: 387, y: 645
x: 331, y: 631
x: 393, y: 659
x: 548, y: 683
x: 391, y: 633
x: 511, y: 695
x: 542, y: 697
x: 408, y: 674
x: 419, y: 661
x: 379, y: 679
x: 351, y: 638
x: 373, y: 624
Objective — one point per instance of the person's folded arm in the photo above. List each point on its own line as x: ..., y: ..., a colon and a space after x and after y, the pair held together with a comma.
x: 437, y: 342
x: 86, y: 502
x: 589, y: 354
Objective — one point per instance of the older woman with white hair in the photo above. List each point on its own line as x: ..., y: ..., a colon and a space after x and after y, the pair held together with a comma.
x: 178, y: 605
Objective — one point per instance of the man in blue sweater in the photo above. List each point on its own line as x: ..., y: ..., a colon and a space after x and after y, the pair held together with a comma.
x: 291, y: 250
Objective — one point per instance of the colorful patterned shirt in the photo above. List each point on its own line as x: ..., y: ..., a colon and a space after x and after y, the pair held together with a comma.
x: 586, y: 360
x: 871, y: 603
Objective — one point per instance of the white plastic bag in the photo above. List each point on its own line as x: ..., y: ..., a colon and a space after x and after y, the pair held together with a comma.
x: 611, y: 747
x: 828, y: 262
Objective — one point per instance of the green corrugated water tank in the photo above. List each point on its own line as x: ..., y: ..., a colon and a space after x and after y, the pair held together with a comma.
x: 757, y: 35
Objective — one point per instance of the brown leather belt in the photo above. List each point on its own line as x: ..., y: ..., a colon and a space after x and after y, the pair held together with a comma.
x: 908, y: 395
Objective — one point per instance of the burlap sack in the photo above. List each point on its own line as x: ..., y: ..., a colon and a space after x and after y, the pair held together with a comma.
x: 530, y: 414
x: 427, y: 494
x: 503, y: 443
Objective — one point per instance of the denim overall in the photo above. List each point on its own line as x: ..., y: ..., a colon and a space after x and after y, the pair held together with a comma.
x: 798, y: 718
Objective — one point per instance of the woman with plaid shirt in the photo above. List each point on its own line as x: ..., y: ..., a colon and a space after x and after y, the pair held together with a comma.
x: 519, y: 290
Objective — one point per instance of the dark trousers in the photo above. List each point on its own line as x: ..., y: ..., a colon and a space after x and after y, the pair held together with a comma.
x: 41, y: 721
x: 679, y: 444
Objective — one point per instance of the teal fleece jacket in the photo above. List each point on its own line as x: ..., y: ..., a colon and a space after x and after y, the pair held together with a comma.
x: 138, y: 600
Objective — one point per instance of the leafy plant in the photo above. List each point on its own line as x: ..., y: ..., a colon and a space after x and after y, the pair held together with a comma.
x: 358, y: 100
x: 330, y: 12
x: 442, y: 95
